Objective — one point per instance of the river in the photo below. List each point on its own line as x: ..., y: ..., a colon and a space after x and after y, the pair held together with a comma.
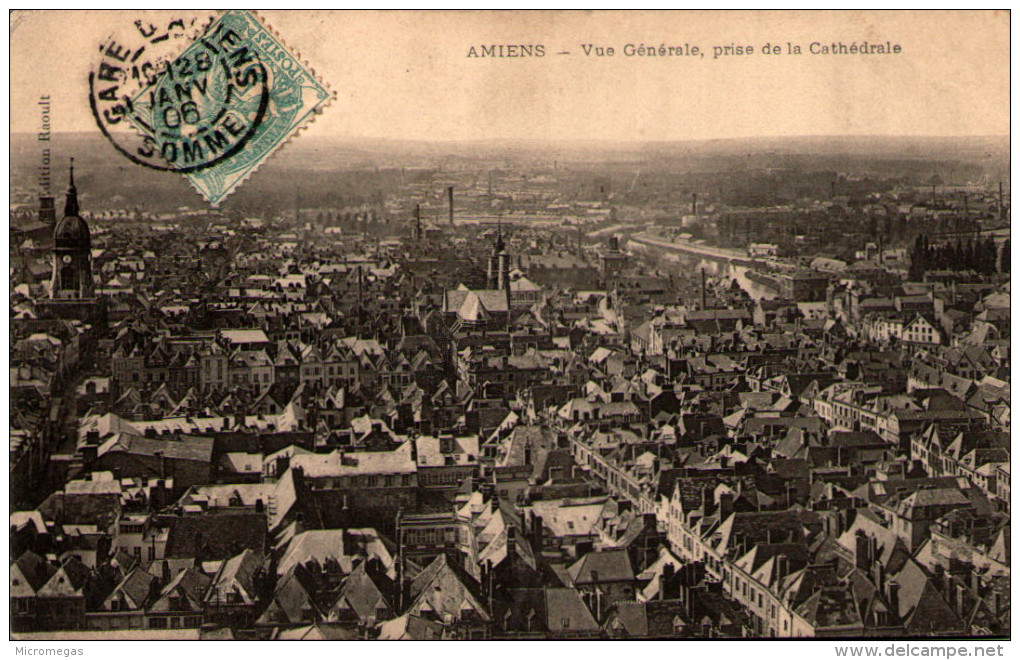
x: 714, y: 267
x: 691, y: 264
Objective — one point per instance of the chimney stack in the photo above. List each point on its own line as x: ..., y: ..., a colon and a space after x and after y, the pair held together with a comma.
x: 961, y: 598
x: 782, y: 567
x: 894, y: 597
x: 694, y: 204
x: 726, y: 504
x: 665, y: 581
x: 449, y: 199
x: 687, y: 584
x: 1002, y: 208
x: 47, y: 210
x: 704, y: 303
x: 861, y: 548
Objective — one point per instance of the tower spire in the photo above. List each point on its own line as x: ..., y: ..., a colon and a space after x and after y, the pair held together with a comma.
x: 71, y: 205
x: 499, y: 246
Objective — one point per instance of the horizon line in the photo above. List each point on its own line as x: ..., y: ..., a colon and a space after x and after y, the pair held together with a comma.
x: 621, y: 140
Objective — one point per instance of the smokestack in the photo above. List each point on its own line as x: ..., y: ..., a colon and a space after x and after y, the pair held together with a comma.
x: 1002, y: 209
x: 894, y: 597
x: 47, y: 210
x: 360, y: 292
x: 704, y: 304
x: 449, y: 199
x: 694, y: 204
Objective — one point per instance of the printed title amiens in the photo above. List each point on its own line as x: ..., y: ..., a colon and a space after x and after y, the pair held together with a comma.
x: 507, y: 50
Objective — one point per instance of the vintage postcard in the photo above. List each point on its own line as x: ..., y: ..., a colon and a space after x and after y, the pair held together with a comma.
x: 508, y: 325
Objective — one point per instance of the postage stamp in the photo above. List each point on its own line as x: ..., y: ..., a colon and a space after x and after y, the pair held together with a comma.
x: 214, y: 111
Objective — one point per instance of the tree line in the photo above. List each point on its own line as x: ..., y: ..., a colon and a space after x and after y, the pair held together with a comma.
x: 981, y: 256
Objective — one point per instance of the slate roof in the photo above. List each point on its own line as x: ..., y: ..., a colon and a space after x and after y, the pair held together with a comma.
x: 655, y: 619
x: 831, y: 607
x: 68, y: 581
x: 28, y: 574
x: 292, y: 600
x: 185, y: 447
x: 217, y: 536
x: 367, y: 593
x: 458, y: 593
x: 566, y: 613
x: 608, y: 565
x: 237, y: 578
x: 136, y: 587
x: 344, y: 546
x: 189, y: 584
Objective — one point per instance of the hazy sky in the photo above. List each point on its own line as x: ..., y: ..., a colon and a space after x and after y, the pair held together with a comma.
x: 407, y: 75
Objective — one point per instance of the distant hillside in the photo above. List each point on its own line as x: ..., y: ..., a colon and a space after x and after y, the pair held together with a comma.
x: 350, y: 168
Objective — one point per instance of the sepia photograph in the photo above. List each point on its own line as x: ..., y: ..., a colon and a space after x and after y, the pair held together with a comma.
x: 548, y: 325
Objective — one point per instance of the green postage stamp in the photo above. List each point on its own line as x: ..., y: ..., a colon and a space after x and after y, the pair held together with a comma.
x: 210, y: 103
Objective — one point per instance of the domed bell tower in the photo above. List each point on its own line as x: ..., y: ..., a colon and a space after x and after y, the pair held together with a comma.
x: 72, y: 252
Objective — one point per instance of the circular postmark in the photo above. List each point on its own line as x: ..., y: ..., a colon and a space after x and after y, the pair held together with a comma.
x: 176, y: 103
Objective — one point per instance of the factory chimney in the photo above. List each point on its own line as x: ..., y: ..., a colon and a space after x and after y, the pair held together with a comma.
x: 449, y: 199
x: 704, y: 300
x: 47, y: 210
x: 694, y: 204
x: 1002, y: 208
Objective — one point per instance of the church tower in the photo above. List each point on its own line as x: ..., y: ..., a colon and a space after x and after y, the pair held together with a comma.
x: 72, y: 252
x: 498, y: 275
